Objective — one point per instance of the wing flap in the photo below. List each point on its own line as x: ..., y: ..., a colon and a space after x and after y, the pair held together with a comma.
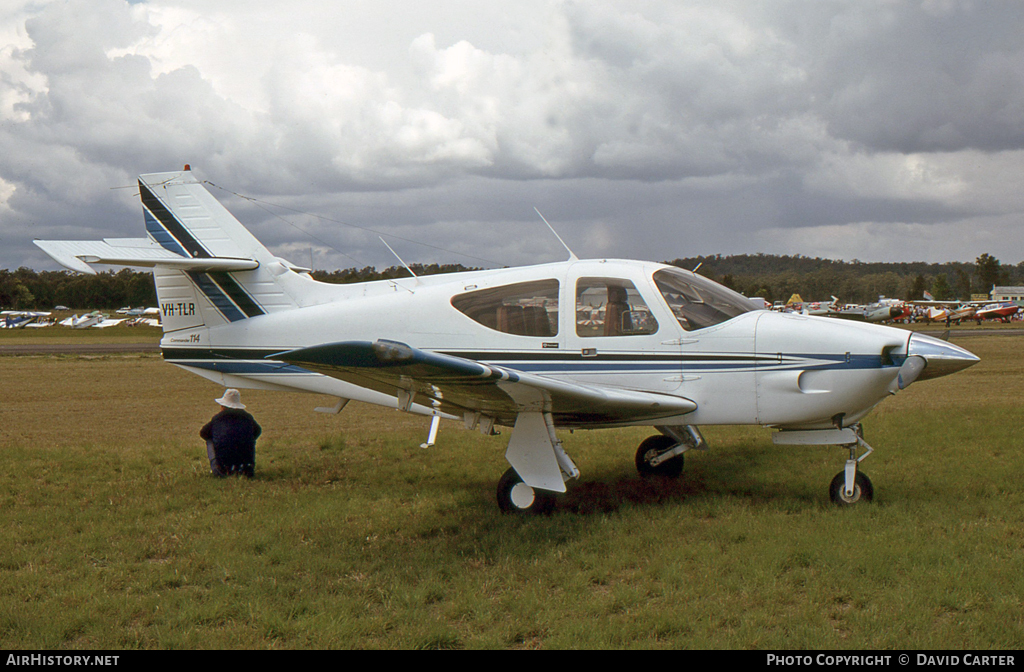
x: 458, y: 385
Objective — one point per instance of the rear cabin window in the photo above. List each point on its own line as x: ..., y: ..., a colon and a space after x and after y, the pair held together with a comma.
x: 611, y: 307
x: 523, y: 309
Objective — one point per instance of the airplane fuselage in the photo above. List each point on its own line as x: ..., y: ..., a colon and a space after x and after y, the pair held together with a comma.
x: 758, y: 367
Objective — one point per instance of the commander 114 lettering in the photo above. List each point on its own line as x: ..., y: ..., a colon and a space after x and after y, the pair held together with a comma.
x: 579, y: 344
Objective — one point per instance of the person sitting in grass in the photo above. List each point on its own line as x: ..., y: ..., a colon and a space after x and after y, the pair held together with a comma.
x: 231, y: 438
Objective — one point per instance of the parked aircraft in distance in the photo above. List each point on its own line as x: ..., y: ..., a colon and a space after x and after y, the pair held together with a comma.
x: 957, y: 311
x: 998, y: 311
x: 137, y: 312
x: 19, y: 319
x: 954, y: 312
x: 83, y: 321
x: 960, y: 313
x: 883, y: 310
x: 579, y: 344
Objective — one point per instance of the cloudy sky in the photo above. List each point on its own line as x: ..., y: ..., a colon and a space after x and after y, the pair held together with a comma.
x: 863, y: 129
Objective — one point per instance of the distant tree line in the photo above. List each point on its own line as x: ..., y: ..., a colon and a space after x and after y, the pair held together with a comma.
x: 26, y: 289
x: 772, y: 277
x: 350, y: 275
x: 776, y: 278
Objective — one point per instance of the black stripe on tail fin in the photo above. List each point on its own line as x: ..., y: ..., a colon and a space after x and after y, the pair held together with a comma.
x: 171, y: 224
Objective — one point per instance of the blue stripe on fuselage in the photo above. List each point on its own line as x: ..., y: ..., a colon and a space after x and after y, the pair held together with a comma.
x: 221, y: 361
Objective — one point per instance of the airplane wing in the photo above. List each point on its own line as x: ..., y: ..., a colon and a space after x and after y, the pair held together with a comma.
x: 458, y: 385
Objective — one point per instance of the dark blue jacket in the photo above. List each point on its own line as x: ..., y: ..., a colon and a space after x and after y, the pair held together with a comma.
x: 233, y: 433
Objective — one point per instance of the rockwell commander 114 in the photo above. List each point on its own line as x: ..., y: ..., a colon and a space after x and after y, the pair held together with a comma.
x: 580, y: 344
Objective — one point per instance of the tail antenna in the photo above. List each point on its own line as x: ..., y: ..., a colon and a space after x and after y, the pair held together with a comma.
x: 572, y: 255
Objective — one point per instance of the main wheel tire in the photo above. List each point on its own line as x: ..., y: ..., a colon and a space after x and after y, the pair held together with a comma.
x: 514, y: 496
x: 650, y: 448
x: 863, y: 491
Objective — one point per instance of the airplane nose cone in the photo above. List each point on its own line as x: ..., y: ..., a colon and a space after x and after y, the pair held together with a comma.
x: 941, y: 358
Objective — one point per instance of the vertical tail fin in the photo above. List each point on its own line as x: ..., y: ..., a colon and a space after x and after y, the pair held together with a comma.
x: 209, y: 269
x: 186, y: 220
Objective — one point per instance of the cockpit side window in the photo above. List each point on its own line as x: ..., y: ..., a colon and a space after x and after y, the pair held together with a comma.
x: 524, y: 309
x: 611, y: 307
x: 698, y: 302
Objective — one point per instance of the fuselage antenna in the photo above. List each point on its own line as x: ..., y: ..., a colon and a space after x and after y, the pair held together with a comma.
x: 399, y: 258
x: 572, y: 256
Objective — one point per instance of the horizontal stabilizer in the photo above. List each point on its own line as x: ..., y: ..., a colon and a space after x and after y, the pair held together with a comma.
x: 79, y: 254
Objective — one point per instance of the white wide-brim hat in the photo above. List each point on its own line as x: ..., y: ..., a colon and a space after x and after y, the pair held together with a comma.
x: 231, y: 399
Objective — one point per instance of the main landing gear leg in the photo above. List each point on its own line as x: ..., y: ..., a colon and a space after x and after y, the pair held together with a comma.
x: 850, y: 486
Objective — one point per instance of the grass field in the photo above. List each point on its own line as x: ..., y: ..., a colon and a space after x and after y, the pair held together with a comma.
x: 115, y: 535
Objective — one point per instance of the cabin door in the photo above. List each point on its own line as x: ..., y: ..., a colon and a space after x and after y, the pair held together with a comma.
x: 616, y: 338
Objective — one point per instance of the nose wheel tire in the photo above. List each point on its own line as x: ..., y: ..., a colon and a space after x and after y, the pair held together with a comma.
x: 651, y: 448
x: 863, y: 491
x: 514, y: 496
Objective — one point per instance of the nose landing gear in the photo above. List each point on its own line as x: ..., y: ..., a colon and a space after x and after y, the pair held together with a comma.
x: 850, y: 486
x: 863, y: 491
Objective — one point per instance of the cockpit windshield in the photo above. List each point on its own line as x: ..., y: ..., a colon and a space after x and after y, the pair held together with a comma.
x: 698, y: 302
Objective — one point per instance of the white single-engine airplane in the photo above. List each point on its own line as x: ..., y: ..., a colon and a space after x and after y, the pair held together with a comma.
x: 576, y: 344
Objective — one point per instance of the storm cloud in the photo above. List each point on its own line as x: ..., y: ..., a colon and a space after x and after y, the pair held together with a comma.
x: 876, y: 130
